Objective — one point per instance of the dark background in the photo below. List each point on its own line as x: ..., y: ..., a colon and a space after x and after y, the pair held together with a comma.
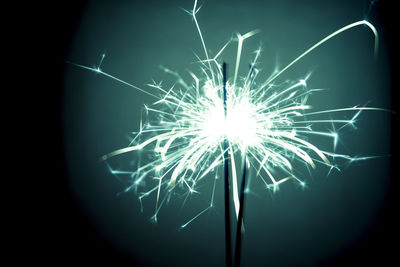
x: 63, y: 231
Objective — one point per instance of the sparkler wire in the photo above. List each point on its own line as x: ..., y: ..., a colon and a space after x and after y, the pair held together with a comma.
x: 228, y: 242
x: 240, y: 224
x: 239, y: 227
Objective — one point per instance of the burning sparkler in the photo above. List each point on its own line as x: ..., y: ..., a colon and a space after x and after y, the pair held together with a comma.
x: 267, y: 123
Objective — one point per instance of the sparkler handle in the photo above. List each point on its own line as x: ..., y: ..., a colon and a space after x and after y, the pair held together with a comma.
x: 227, y: 210
x: 228, y: 243
x: 239, y: 230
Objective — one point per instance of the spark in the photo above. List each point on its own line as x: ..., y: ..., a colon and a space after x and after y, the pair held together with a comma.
x: 269, y: 122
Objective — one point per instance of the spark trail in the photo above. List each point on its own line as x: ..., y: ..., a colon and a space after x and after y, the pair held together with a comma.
x: 272, y: 123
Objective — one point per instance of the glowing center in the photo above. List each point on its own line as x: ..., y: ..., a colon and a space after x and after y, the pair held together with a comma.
x: 240, y: 126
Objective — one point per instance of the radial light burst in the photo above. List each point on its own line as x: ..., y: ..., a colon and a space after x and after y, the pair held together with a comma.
x: 269, y: 120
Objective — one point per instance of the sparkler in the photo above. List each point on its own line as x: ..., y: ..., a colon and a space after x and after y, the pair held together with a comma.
x: 195, y: 127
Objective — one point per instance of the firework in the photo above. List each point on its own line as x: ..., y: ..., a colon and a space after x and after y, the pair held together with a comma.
x: 267, y: 122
